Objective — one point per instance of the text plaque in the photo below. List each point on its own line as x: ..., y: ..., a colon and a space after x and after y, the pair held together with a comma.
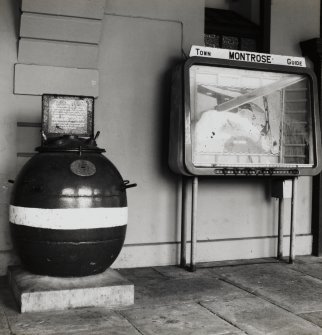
x: 67, y: 115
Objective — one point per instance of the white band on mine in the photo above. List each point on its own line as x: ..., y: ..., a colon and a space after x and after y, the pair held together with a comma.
x: 69, y: 218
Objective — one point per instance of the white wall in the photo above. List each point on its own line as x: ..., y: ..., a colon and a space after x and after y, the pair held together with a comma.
x: 236, y: 218
x: 293, y: 21
x: 11, y: 108
x: 141, y: 41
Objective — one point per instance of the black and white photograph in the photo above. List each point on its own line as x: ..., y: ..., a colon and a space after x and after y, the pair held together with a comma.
x: 160, y: 167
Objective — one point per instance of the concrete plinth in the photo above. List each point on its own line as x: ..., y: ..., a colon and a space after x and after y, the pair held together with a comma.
x: 36, y: 293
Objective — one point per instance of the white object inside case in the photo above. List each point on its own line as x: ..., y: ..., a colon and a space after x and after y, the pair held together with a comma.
x: 242, y: 117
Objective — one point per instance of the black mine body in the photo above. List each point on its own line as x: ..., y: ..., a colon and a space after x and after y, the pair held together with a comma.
x: 68, y: 210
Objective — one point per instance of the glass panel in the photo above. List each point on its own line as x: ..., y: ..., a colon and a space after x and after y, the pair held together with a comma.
x: 249, y: 118
x: 212, y: 40
x: 248, y: 44
x: 230, y: 42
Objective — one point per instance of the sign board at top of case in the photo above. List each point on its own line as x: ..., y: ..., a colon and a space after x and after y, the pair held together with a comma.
x: 246, y: 56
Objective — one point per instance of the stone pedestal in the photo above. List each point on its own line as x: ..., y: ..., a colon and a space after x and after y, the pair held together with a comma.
x: 36, y: 293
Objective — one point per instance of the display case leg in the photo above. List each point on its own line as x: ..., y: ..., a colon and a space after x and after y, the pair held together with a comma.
x: 281, y: 189
x: 280, y: 229
x: 293, y: 217
x: 194, y: 224
x: 183, y: 251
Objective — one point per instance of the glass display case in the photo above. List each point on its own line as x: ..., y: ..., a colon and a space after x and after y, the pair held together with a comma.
x: 240, y: 118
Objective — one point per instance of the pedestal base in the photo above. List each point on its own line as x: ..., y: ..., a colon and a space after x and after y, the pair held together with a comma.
x: 36, y: 293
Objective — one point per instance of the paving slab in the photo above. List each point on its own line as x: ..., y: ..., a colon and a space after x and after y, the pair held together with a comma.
x: 236, y: 262
x: 176, y: 291
x: 139, y: 275
x: 310, y: 269
x: 278, y: 283
x: 258, y: 317
x: 314, y: 317
x: 3, y: 281
x: 7, y: 302
x: 4, y: 326
x: 77, y: 321
x: 183, y: 319
x: 308, y: 259
x: 35, y: 293
x: 176, y: 272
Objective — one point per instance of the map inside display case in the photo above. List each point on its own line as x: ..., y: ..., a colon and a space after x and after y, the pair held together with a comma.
x: 243, y: 117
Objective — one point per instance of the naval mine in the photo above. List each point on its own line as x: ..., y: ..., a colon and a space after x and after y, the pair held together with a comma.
x: 68, y: 210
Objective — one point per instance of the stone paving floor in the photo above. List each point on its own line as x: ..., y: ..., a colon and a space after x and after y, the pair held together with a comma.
x: 259, y: 296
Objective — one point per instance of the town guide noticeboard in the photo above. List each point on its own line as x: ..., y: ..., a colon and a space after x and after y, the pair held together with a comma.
x: 241, y: 113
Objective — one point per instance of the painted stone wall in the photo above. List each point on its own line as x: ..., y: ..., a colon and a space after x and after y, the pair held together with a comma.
x: 236, y: 218
x: 140, y: 42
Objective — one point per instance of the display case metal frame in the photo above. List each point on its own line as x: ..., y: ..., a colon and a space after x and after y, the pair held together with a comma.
x: 184, y: 163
